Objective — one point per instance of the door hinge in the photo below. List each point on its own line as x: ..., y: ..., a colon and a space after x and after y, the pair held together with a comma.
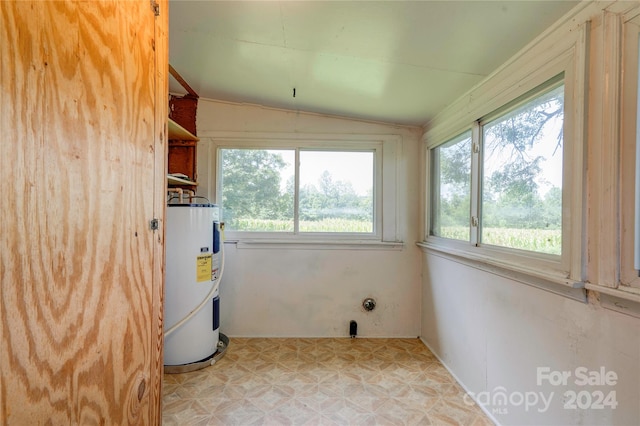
x: 153, y: 224
x: 155, y: 7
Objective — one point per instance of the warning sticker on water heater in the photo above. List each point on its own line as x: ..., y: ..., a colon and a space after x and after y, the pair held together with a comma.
x: 203, y: 268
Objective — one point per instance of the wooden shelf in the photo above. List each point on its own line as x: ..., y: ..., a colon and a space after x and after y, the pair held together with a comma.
x: 172, y: 180
x: 177, y: 132
x: 183, y: 143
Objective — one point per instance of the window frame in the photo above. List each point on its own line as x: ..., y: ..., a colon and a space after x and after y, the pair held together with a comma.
x: 612, y: 273
x: 384, y: 147
x: 629, y: 280
x: 562, y: 274
x: 375, y: 147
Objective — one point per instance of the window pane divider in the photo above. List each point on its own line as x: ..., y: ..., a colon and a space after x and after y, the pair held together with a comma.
x: 296, y: 192
x: 476, y: 149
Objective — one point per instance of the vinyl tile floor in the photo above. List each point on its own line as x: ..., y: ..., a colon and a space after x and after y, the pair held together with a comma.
x: 320, y: 382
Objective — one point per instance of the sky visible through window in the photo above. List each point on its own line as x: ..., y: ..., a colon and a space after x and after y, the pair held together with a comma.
x: 347, y: 166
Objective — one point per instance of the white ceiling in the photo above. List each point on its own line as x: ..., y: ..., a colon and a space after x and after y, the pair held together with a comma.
x: 393, y: 61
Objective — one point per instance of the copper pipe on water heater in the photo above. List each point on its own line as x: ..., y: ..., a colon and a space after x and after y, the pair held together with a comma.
x: 179, y: 191
x: 191, y: 193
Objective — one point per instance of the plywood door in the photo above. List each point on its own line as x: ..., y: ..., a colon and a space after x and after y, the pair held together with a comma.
x: 83, y: 108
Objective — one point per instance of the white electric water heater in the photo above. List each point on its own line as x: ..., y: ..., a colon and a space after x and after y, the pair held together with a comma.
x: 192, y: 270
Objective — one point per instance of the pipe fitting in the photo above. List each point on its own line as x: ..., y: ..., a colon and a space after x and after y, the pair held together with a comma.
x: 369, y: 304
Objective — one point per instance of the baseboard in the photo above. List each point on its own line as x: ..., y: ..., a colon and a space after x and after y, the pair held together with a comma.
x: 242, y: 336
x: 472, y: 395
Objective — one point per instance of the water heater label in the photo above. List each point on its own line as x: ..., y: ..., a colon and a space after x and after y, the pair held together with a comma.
x: 203, y: 268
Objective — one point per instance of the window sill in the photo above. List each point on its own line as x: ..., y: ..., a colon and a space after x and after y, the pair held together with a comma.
x: 617, y: 300
x: 549, y: 281
x: 316, y: 244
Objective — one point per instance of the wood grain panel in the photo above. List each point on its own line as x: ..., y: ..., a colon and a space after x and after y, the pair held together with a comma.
x: 159, y: 206
x: 81, y: 281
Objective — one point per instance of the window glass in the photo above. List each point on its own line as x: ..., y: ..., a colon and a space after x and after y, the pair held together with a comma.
x: 522, y: 176
x: 451, y: 188
x: 336, y: 191
x: 257, y: 189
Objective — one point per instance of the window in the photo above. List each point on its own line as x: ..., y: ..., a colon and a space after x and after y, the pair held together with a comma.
x: 522, y: 175
x: 301, y: 189
x: 527, y: 126
x: 451, y: 188
x: 520, y: 204
x: 630, y: 158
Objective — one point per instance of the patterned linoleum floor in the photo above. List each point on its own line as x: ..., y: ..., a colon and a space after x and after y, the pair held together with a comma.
x: 319, y: 382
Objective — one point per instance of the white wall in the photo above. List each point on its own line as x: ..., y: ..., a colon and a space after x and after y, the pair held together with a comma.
x: 494, y: 333
x: 315, y: 292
